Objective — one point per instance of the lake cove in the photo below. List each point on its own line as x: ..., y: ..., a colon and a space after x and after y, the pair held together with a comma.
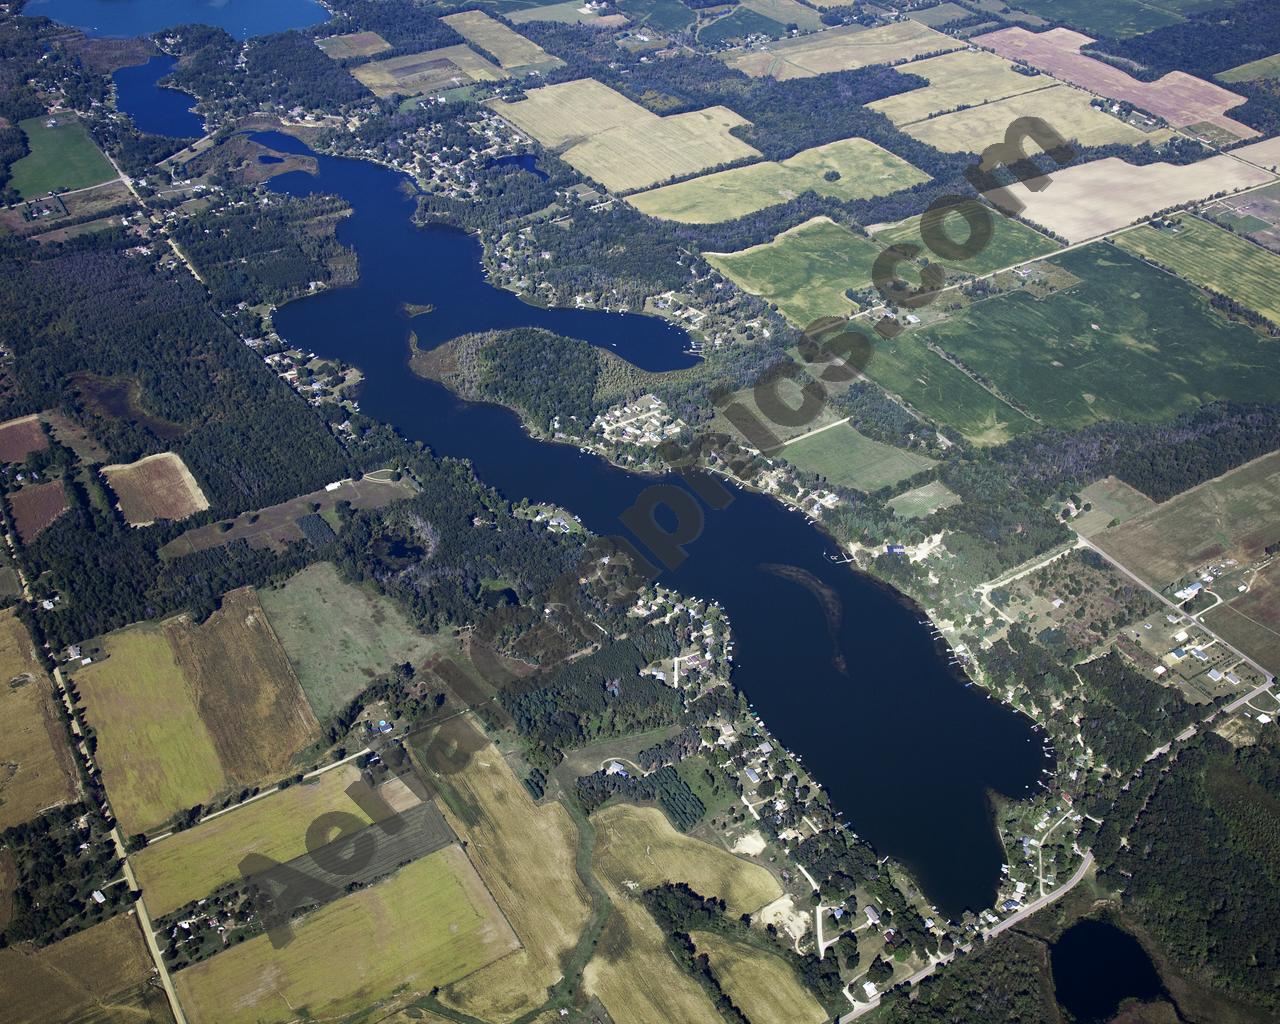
x: 852, y: 684
x: 1096, y: 966
x: 154, y: 109
x: 242, y: 18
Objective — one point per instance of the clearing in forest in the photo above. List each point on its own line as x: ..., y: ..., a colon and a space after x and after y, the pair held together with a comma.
x: 761, y: 983
x: 842, y: 456
x: 513, y: 51
x: 416, y: 73
x: 924, y: 500
x: 36, y: 507
x: 842, y: 49
x: 62, y: 156
x: 353, y: 44
x: 20, y: 437
x: 156, y: 487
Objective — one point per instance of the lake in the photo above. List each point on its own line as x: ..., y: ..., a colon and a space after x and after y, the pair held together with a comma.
x: 853, y: 684
x: 1096, y: 966
x: 241, y: 18
x: 154, y: 109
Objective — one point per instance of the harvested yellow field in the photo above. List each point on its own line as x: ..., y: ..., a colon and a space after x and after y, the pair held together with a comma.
x: 763, y: 986
x: 189, y: 865
x: 512, y: 50
x: 1098, y: 197
x: 864, y: 170
x: 353, y: 44
x: 1067, y: 110
x: 430, y: 923
x: 619, y: 143
x: 842, y: 49
x: 638, y: 845
x: 36, y: 765
x: 526, y: 855
x: 157, y: 487
x: 415, y: 73
x: 962, y: 78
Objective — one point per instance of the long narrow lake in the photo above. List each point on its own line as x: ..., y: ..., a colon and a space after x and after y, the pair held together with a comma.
x: 904, y: 749
x: 242, y: 18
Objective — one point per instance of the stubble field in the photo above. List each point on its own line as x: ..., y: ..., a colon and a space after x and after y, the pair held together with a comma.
x: 415, y: 73
x: 962, y: 77
x: 156, y: 487
x: 842, y: 49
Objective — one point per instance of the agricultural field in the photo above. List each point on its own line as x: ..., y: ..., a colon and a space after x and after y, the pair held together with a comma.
x: 639, y: 844
x: 1012, y: 242
x: 1251, y: 621
x: 842, y: 49
x: 786, y: 12
x: 276, y: 526
x: 1118, y: 18
x: 191, y: 864
x: 619, y: 143
x: 353, y: 44
x: 39, y: 770
x: 35, y: 508
x: 416, y: 73
x: 184, y: 712
x: 1177, y: 97
x: 1267, y: 67
x: 864, y: 170
x: 1094, y: 199
x: 842, y: 456
x: 1099, y: 354
x: 100, y: 975
x: 762, y: 985
x: 1067, y: 110
x: 805, y: 271
x: 570, y: 12
x: 514, y: 52
x: 924, y: 500
x: 1113, y: 502
x: 525, y: 853
x: 739, y: 23
x: 339, y: 636
x: 939, y: 14
x: 20, y: 437
x: 1212, y: 257
x: 62, y: 157
x: 429, y: 924
x: 1231, y: 516
x: 662, y: 15
x: 154, y: 488
x: 961, y: 78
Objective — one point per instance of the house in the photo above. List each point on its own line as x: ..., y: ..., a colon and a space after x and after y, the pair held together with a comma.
x: 873, y: 915
x: 615, y: 768
x: 1009, y: 905
x: 869, y: 989
x: 1215, y: 675
x: 753, y: 776
x: 765, y: 749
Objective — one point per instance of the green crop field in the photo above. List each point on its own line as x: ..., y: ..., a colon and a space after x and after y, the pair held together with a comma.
x: 1118, y: 18
x: 849, y: 459
x: 922, y: 501
x: 739, y: 24
x: 339, y: 636
x: 663, y: 15
x: 1212, y: 257
x: 1128, y: 342
x: 863, y: 168
x: 805, y: 271
x: 62, y: 157
x: 1011, y: 242
x: 1267, y: 67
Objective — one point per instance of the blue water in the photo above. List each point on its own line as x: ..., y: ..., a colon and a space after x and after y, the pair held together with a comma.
x: 525, y: 161
x: 154, y: 109
x: 242, y: 18
x: 1096, y: 966
x: 858, y: 690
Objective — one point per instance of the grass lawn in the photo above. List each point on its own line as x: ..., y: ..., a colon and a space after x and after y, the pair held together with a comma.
x: 1212, y: 257
x: 843, y: 456
x: 922, y: 501
x: 863, y: 168
x: 1128, y: 342
x: 1011, y: 242
x: 805, y: 271
x: 430, y: 923
x: 62, y: 157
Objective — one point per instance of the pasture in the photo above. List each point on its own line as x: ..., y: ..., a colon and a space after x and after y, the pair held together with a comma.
x: 62, y: 157
x: 1127, y: 342
x: 786, y: 12
x: 38, y: 767
x: 1251, y: 621
x: 1267, y: 67
x: 639, y: 844
x: 20, y: 437
x: 416, y: 73
x: 939, y: 14
x: 154, y: 488
x: 1179, y: 98
x: 842, y: 49
x: 762, y: 984
x: 1231, y: 516
x: 963, y: 77
x: 1211, y: 257
x: 430, y: 923
x: 353, y: 44
x: 1094, y: 199
x: 863, y: 168
x: 923, y: 501
x: 1067, y: 110
x: 99, y: 974
x: 1113, y: 501
x: 525, y: 853
x: 513, y: 51
x: 340, y: 636
x: 842, y: 456
x: 1012, y: 242
x: 191, y: 864
x: 36, y: 507
x: 804, y: 271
